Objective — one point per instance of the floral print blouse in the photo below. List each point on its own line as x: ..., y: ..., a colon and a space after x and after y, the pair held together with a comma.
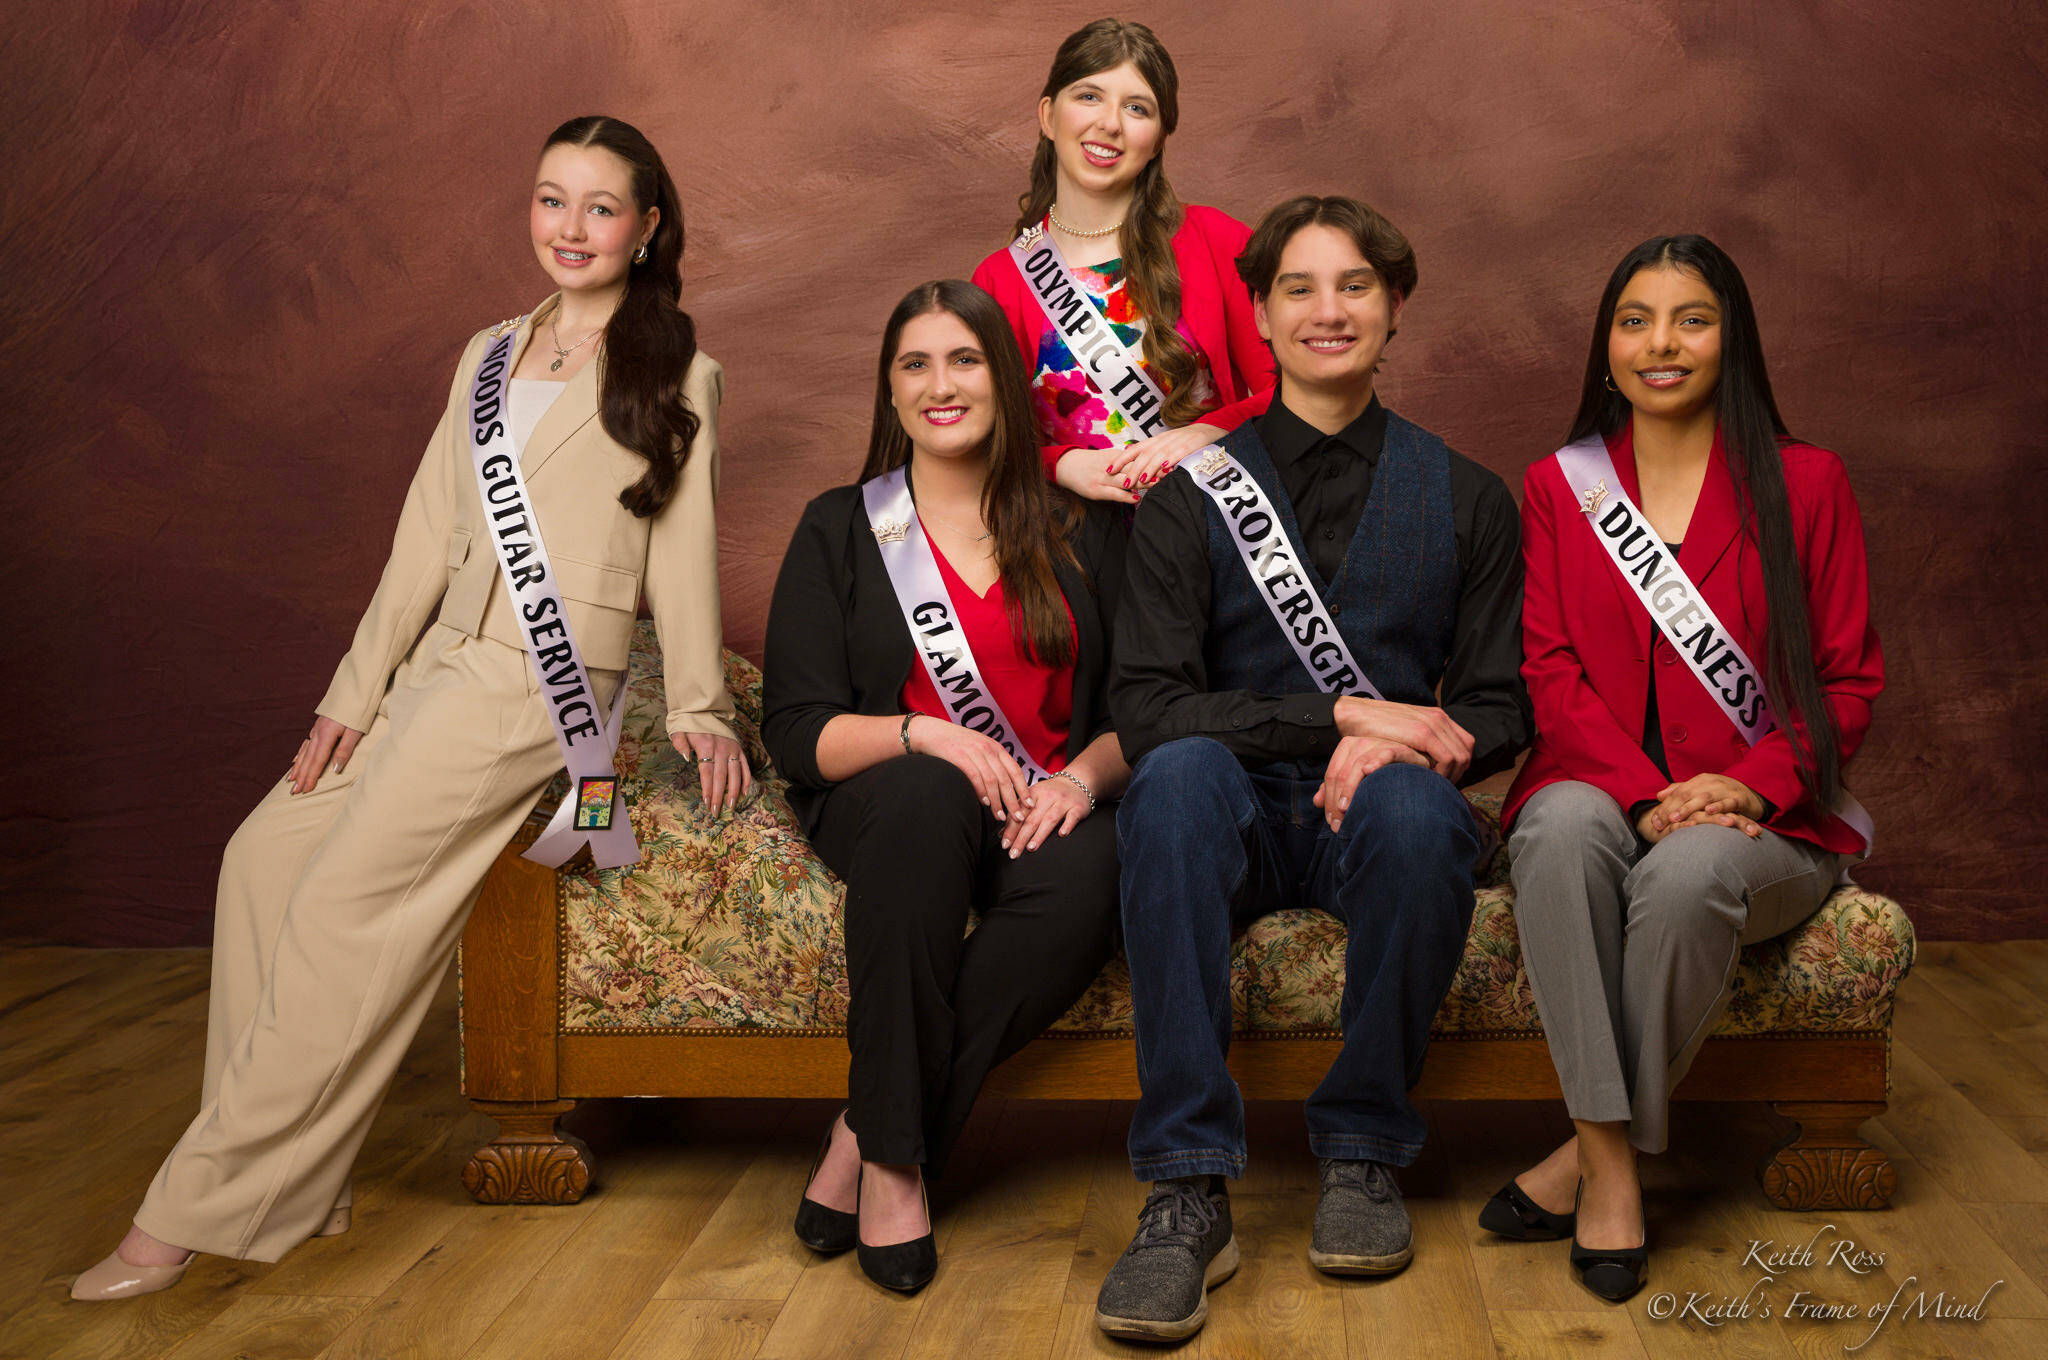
x: 1071, y: 412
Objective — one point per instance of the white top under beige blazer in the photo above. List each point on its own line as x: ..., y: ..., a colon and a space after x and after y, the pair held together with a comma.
x: 605, y: 556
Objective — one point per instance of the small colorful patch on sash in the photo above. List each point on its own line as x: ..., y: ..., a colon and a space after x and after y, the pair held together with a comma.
x: 594, y: 797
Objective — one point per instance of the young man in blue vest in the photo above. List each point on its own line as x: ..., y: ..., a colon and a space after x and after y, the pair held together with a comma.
x: 1265, y: 780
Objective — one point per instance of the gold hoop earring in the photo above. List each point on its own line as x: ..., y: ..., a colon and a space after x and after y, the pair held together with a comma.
x: 640, y: 255
x: 1609, y: 380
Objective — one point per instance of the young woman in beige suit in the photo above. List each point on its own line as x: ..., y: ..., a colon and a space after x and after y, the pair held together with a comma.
x: 344, y: 893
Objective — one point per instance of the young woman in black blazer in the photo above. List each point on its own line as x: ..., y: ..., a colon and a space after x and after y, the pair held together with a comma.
x: 926, y: 819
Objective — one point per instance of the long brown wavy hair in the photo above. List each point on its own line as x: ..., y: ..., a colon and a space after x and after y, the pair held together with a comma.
x: 1029, y: 519
x: 650, y: 340
x: 1146, y: 241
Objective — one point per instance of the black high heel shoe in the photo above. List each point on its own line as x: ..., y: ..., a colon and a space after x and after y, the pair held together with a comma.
x: 1511, y: 1213
x: 828, y: 1231
x: 1614, y: 1273
x: 905, y: 1267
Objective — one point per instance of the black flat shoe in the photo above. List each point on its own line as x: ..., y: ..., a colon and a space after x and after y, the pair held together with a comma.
x: 829, y: 1231
x: 1511, y: 1213
x: 905, y: 1267
x: 1613, y: 1273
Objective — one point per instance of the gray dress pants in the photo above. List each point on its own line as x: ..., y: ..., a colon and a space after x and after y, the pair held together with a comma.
x: 1631, y: 951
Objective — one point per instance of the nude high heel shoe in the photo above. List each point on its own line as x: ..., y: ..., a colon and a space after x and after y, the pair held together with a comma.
x: 114, y: 1278
x: 338, y: 1220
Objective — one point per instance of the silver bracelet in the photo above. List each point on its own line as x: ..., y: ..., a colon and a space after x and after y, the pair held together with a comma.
x: 905, y: 733
x: 1086, y: 792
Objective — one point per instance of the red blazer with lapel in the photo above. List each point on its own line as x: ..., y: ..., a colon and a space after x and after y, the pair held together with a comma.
x: 1589, y: 662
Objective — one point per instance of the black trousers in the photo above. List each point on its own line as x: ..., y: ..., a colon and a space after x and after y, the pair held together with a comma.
x: 931, y: 1013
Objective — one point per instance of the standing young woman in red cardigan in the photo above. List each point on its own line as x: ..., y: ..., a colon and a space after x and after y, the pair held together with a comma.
x: 1136, y: 280
x: 1698, y: 648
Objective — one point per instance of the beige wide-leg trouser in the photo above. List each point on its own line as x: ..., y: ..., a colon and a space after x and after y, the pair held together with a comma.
x: 339, y: 911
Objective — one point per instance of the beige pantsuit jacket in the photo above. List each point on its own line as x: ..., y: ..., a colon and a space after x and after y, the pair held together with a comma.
x: 604, y: 556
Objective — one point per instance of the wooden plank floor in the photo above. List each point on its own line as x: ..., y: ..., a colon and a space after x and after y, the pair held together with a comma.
x: 683, y: 1249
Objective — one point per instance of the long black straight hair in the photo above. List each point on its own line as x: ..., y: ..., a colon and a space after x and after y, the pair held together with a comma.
x: 650, y: 340
x: 1751, y: 433
x: 1030, y: 519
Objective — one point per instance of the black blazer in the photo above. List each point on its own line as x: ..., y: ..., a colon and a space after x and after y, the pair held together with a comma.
x: 837, y: 642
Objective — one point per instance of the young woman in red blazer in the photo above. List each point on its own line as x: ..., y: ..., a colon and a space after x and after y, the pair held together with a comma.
x: 1099, y: 190
x: 1650, y: 839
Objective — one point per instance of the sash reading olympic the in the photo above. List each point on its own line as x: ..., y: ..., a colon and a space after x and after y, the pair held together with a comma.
x: 928, y: 610
x: 1689, y: 623
x: 1111, y: 365
x: 1284, y: 585
x: 594, y: 811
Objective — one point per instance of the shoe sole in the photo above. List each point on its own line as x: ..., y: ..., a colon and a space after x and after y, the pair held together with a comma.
x: 1345, y: 1263
x: 1508, y: 1224
x: 1221, y: 1268
x: 832, y: 1248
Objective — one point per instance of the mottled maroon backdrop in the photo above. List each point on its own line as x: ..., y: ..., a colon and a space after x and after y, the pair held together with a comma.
x: 244, y: 244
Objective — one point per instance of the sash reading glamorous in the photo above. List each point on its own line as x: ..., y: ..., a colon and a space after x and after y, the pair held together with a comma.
x: 928, y: 610
x: 1706, y: 646
x: 594, y: 812
x: 1261, y: 541
x: 1111, y: 365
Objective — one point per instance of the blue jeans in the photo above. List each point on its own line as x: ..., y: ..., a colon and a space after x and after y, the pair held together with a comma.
x: 1208, y: 846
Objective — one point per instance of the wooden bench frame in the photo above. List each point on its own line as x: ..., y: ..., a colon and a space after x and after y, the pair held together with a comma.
x: 520, y: 1069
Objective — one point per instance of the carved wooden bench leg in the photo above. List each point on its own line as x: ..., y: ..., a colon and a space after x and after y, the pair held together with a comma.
x: 1826, y: 1164
x: 531, y: 1161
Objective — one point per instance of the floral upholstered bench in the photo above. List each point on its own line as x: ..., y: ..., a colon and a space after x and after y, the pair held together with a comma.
x: 716, y: 968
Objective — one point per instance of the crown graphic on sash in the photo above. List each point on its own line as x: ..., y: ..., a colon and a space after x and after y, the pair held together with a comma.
x: 1212, y: 464
x: 1594, y: 495
x: 892, y: 531
x: 1030, y: 237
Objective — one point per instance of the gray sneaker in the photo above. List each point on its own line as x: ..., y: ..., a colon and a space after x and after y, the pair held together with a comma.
x: 1158, y: 1289
x: 1361, y: 1224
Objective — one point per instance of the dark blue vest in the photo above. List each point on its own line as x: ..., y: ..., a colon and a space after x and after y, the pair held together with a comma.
x: 1395, y: 598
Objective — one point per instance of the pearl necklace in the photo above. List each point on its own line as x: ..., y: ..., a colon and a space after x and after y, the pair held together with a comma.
x: 1054, y: 217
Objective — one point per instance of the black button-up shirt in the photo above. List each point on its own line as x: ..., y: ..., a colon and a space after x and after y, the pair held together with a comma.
x: 1159, y: 690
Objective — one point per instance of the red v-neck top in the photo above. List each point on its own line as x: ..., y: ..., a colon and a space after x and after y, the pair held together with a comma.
x: 1038, y: 699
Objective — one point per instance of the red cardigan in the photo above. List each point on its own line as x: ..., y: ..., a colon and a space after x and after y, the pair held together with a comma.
x: 1588, y: 661
x: 1215, y: 312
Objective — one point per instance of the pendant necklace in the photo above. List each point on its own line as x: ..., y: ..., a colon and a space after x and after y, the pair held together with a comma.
x: 560, y: 353
x: 954, y: 527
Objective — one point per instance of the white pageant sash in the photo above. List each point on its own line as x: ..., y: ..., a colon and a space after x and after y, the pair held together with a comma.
x: 1111, y: 366
x: 1283, y: 583
x: 1690, y: 625
x: 928, y: 611
x: 594, y: 812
